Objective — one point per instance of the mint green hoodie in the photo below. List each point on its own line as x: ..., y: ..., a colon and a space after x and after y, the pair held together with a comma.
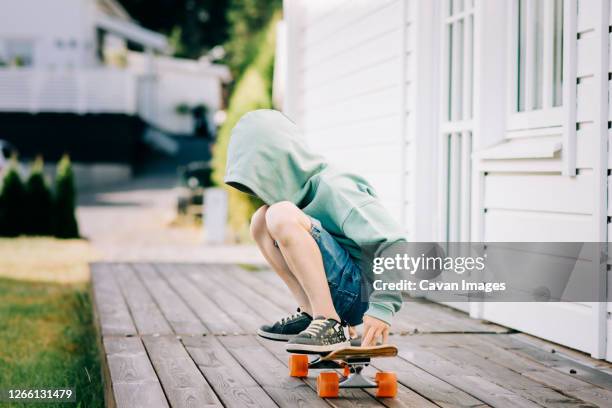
x: 267, y: 157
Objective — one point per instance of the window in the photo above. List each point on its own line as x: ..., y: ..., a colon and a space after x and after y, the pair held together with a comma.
x: 536, y: 37
x: 17, y: 52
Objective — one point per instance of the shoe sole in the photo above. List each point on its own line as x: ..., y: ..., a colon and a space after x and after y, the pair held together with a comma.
x: 313, y: 349
x: 274, y: 336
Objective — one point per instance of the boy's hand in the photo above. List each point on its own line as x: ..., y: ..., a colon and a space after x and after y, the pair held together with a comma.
x: 372, y: 330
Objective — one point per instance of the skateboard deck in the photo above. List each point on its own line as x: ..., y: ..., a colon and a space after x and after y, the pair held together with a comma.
x: 354, y: 353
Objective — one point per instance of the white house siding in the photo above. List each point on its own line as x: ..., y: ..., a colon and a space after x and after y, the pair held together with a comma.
x: 70, y: 21
x: 530, y: 200
x: 362, y: 84
x: 348, y: 87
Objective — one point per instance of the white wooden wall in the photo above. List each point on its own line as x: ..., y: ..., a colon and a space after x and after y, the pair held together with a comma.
x: 529, y: 192
x: 362, y: 83
x: 348, y: 87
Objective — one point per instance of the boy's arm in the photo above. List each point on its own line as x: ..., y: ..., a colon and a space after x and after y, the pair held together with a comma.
x: 371, y: 226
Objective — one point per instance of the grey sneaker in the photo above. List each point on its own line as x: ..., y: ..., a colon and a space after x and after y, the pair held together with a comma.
x: 286, y: 328
x: 322, y: 336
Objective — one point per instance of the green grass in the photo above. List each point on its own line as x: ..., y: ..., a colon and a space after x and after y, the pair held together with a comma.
x: 48, y: 339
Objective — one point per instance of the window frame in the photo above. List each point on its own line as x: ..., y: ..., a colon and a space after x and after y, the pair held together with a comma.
x: 5, y: 48
x: 456, y: 118
x: 548, y: 115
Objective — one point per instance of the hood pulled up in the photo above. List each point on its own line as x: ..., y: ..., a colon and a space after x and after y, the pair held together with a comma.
x: 267, y: 157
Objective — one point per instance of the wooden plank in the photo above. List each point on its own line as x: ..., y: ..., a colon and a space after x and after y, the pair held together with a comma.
x: 134, y: 382
x: 483, y: 389
x: 271, y: 374
x: 371, y: 78
x: 435, y: 318
x: 569, y: 353
x: 544, y: 320
x: 370, y: 106
x: 426, y: 384
x: 405, y: 322
x: 519, y: 226
x: 356, y: 35
x: 183, y: 383
x: 243, y: 314
x: 259, y: 285
x: 569, y: 88
x: 347, y: 397
x: 113, y: 313
x: 477, y: 366
x: 565, y: 383
x: 274, y: 280
x: 180, y: 317
x: 269, y: 311
x: 539, y: 192
x: 555, y: 361
x: 147, y: 316
x: 345, y: 21
x: 214, y: 318
x: 570, y: 386
x: 232, y: 383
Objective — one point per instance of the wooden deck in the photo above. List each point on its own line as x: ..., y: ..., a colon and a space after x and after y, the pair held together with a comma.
x: 182, y: 336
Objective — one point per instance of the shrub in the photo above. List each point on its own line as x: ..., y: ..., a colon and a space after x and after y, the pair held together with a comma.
x: 65, y: 201
x: 252, y: 91
x: 38, y: 202
x: 12, y: 197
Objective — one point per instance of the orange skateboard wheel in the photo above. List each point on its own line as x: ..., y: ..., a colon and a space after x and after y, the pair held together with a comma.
x: 387, y: 385
x: 328, y: 385
x: 298, y: 365
x: 346, y: 371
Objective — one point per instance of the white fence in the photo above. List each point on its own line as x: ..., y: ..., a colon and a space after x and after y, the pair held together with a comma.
x: 97, y: 90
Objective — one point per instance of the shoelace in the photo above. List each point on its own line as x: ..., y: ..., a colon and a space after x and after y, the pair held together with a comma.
x: 315, y: 327
x: 289, y: 318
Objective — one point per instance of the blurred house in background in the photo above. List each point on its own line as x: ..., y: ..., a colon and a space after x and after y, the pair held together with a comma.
x: 69, y: 84
x: 475, y: 120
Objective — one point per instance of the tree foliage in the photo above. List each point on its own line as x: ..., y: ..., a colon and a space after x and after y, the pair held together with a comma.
x: 247, y: 20
x: 194, y: 26
x: 38, y: 202
x: 65, y: 201
x: 252, y: 91
x: 12, y: 198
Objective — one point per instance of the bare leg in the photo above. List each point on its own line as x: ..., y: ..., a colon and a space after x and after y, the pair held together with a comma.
x: 290, y: 227
x: 265, y: 242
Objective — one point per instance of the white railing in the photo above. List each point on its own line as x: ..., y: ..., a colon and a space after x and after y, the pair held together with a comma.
x: 95, y: 90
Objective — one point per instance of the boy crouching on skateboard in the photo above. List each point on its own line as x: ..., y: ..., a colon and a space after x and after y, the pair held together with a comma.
x: 311, y: 230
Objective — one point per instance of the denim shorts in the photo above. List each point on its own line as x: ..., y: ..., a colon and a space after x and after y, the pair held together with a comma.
x: 343, y: 276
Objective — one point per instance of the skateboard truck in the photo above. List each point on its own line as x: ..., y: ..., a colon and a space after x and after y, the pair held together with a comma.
x: 355, y: 379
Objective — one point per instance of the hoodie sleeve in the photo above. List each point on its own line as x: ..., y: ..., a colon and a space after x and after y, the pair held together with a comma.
x: 370, y: 225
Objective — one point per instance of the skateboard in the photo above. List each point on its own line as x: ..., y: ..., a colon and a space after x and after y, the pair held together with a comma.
x: 352, y: 360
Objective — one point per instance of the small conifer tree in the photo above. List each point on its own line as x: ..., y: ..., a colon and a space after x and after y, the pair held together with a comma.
x: 65, y: 201
x: 12, y: 198
x: 39, y: 202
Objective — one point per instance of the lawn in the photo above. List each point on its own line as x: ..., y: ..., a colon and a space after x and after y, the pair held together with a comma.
x: 47, y: 336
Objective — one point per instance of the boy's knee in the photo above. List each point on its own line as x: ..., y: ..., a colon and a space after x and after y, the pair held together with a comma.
x: 258, y: 222
x: 284, y: 219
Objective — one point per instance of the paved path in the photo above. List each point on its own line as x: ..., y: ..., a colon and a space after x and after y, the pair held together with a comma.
x: 133, y: 222
x: 179, y: 335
